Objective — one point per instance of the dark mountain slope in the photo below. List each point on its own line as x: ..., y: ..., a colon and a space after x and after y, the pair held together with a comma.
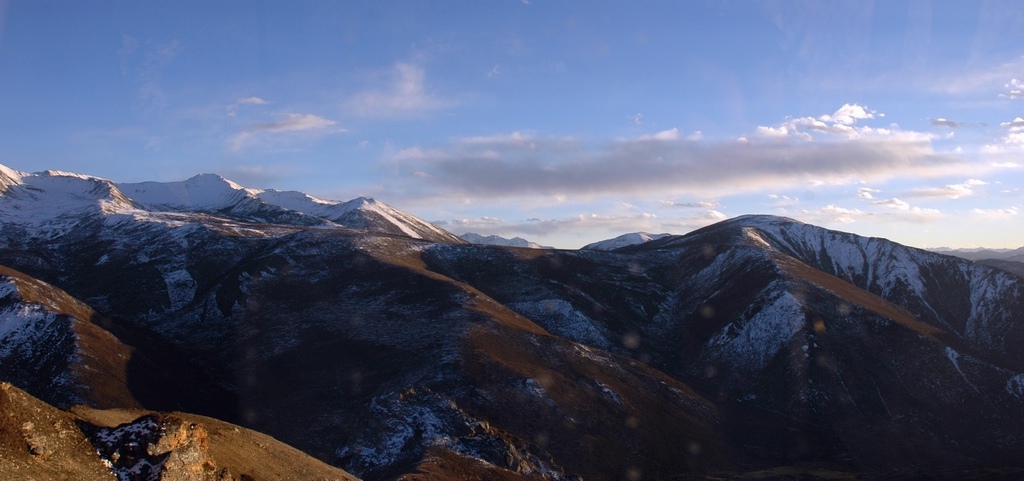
x: 807, y: 364
x: 347, y: 347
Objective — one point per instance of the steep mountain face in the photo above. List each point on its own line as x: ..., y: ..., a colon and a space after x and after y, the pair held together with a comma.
x: 778, y: 322
x: 756, y: 342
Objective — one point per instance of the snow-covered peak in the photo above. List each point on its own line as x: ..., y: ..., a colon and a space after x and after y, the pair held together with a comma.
x: 8, y: 177
x: 370, y: 214
x: 52, y: 202
x: 56, y: 199
x: 202, y: 192
x: 630, y: 239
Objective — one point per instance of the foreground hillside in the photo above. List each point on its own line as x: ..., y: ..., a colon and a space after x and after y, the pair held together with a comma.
x: 385, y: 346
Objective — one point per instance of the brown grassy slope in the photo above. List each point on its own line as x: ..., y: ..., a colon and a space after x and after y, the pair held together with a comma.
x: 40, y: 442
x: 243, y: 452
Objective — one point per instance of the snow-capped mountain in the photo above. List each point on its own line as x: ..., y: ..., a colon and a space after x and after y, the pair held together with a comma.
x: 494, y: 240
x: 52, y: 202
x: 754, y: 343
x: 623, y: 240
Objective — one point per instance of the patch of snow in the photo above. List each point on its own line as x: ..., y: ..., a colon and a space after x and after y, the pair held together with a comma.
x: 753, y: 339
x: 954, y: 357
x: 609, y: 392
x: 559, y: 317
x: 1015, y: 386
x: 181, y: 287
x: 22, y: 325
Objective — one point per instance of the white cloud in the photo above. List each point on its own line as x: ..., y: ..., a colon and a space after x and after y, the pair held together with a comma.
x: 833, y: 214
x: 291, y: 123
x: 849, y: 114
x: 670, y: 134
x: 233, y: 108
x: 783, y: 200
x: 407, y: 96
x: 942, y: 122
x: 1015, y: 125
x: 949, y: 191
x: 251, y: 101
x: 842, y: 123
x: 996, y: 213
x: 893, y: 203
x: 704, y: 204
x: 867, y: 192
x: 773, y: 132
x: 906, y: 212
x: 1014, y: 90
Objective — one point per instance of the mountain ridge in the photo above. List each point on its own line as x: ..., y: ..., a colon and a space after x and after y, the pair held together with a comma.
x: 753, y: 343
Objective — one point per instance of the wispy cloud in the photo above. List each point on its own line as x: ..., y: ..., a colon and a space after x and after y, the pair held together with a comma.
x: 783, y: 200
x: 904, y: 211
x: 949, y: 191
x: 146, y: 62
x: 233, y: 108
x: 704, y: 204
x: 943, y: 122
x: 996, y: 213
x: 251, y: 101
x: 406, y: 96
x: 290, y: 123
x: 892, y: 209
x: 833, y: 214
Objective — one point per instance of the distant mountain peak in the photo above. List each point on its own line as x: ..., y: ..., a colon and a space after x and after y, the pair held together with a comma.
x: 624, y: 240
x: 495, y: 240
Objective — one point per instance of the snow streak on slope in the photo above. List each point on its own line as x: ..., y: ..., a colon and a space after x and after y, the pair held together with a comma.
x: 21, y: 324
x: 754, y: 338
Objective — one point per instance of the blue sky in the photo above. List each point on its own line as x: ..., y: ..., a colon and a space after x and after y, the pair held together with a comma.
x: 562, y: 122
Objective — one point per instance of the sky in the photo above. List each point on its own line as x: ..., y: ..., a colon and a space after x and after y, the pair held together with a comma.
x: 563, y: 122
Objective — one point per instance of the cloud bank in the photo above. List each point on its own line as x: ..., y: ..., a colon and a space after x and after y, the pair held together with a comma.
x: 520, y: 164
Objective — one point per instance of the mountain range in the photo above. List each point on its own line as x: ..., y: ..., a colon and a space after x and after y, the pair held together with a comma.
x: 138, y: 320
